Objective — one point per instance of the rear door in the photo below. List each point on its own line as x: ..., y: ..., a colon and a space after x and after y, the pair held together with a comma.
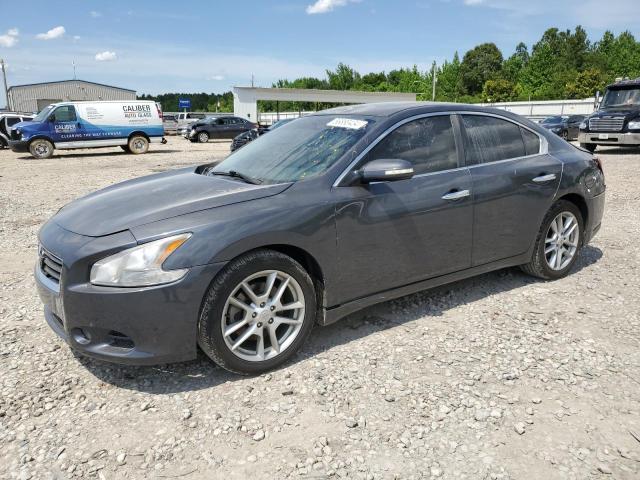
x: 514, y: 184
x: 395, y: 233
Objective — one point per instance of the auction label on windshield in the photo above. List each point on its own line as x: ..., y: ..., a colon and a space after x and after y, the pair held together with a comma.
x: 350, y: 123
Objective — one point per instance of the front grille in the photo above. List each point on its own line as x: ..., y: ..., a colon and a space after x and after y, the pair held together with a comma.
x: 613, y: 124
x: 50, y: 265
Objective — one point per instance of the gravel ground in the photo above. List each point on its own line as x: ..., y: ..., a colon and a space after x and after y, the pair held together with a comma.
x: 500, y: 376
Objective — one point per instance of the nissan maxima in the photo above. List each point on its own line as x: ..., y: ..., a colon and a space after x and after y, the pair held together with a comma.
x: 322, y: 217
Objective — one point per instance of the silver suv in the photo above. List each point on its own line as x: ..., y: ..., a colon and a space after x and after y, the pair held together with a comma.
x: 7, y: 120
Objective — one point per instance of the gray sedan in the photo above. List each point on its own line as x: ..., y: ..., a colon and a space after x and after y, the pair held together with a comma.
x: 322, y: 217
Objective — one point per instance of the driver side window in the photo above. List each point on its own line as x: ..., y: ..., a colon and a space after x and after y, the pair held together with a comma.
x: 428, y: 143
x: 66, y: 113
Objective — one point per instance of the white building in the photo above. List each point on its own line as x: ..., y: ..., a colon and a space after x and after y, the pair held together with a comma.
x: 34, y: 97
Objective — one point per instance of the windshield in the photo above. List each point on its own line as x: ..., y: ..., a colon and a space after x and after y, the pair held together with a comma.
x: 621, y: 98
x: 553, y: 120
x: 297, y: 150
x: 44, y: 113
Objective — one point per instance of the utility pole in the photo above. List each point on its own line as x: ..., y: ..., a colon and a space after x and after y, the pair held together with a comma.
x: 252, y: 80
x: 4, y: 78
x: 74, y: 69
x: 433, y: 75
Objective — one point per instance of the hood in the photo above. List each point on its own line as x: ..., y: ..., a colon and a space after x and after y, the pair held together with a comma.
x: 552, y: 125
x: 24, y: 125
x: 629, y: 113
x: 155, y: 197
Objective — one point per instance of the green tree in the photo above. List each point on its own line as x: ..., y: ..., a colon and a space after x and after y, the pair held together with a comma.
x: 586, y: 84
x: 480, y: 64
x: 499, y: 90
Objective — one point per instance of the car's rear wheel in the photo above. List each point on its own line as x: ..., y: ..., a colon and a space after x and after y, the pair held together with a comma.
x: 203, y: 137
x: 558, y: 242
x: 138, y: 144
x: 257, y: 313
x: 2, y: 144
x: 589, y: 146
x: 41, y: 148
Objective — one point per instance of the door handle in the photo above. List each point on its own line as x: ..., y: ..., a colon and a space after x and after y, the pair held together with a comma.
x: 544, y: 178
x: 456, y: 195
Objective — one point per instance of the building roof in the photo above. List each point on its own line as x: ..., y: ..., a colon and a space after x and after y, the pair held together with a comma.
x: 69, y: 81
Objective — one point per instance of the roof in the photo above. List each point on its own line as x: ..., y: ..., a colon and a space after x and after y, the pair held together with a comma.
x: 626, y: 83
x: 386, y: 109
x: 69, y: 81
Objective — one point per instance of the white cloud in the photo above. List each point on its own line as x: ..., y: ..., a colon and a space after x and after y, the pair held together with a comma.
x: 216, y: 78
x: 55, y: 32
x: 324, y: 6
x: 95, y: 14
x: 76, y: 38
x: 10, y: 38
x: 106, y: 56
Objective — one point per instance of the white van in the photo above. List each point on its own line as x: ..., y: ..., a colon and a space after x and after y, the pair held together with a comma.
x: 132, y: 125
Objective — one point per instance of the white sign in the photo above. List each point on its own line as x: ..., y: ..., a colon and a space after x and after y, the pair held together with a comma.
x: 349, y: 123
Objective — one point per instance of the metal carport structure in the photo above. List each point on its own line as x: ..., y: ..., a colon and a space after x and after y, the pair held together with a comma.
x: 245, y: 99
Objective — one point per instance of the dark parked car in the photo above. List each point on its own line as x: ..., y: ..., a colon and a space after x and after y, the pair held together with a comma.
x: 219, y: 128
x: 250, y: 135
x: 565, y: 126
x: 321, y: 217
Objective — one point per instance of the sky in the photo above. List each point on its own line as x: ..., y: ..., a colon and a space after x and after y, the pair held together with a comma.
x: 210, y: 46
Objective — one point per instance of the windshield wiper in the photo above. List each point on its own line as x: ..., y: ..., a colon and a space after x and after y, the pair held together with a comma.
x: 234, y: 174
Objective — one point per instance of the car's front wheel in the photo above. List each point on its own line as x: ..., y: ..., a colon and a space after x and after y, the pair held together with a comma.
x: 257, y: 313
x: 203, y: 137
x: 558, y: 242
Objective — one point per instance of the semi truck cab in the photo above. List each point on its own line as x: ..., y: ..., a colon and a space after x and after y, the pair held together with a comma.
x: 617, y: 119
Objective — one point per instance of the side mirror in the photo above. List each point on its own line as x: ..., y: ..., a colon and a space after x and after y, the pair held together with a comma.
x: 386, y: 170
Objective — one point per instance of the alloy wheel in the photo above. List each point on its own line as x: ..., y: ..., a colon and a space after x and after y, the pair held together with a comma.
x: 561, y: 240
x: 263, y: 315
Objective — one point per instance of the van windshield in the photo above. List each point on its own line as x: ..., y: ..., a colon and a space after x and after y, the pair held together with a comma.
x: 44, y: 113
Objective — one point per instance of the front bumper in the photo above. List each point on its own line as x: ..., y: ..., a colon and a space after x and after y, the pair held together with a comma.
x: 138, y: 326
x: 612, y: 138
x: 19, y: 145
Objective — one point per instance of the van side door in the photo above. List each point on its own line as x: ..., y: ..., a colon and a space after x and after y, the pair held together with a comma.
x: 64, y: 125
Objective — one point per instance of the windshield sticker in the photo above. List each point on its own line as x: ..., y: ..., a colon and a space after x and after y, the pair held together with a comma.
x: 349, y: 123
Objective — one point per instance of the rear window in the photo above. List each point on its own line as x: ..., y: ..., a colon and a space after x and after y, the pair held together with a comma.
x: 531, y: 142
x: 491, y: 139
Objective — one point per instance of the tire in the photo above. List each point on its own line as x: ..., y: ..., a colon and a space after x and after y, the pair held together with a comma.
x: 565, y: 136
x: 3, y: 145
x: 203, y: 137
x: 589, y: 146
x: 138, y: 145
x: 41, y: 148
x: 541, y: 262
x: 125, y: 148
x: 219, y: 313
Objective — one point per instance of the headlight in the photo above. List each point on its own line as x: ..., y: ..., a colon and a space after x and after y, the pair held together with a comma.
x: 583, y: 126
x: 556, y: 129
x: 139, y: 266
x: 635, y: 125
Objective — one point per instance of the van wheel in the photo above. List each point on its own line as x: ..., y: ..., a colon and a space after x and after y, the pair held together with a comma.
x: 203, y: 137
x: 41, y: 148
x: 125, y: 148
x: 138, y: 145
x: 2, y: 144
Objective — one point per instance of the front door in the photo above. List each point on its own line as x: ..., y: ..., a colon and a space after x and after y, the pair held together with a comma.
x: 64, y: 125
x: 513, y: 184
x: 395, y: 233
